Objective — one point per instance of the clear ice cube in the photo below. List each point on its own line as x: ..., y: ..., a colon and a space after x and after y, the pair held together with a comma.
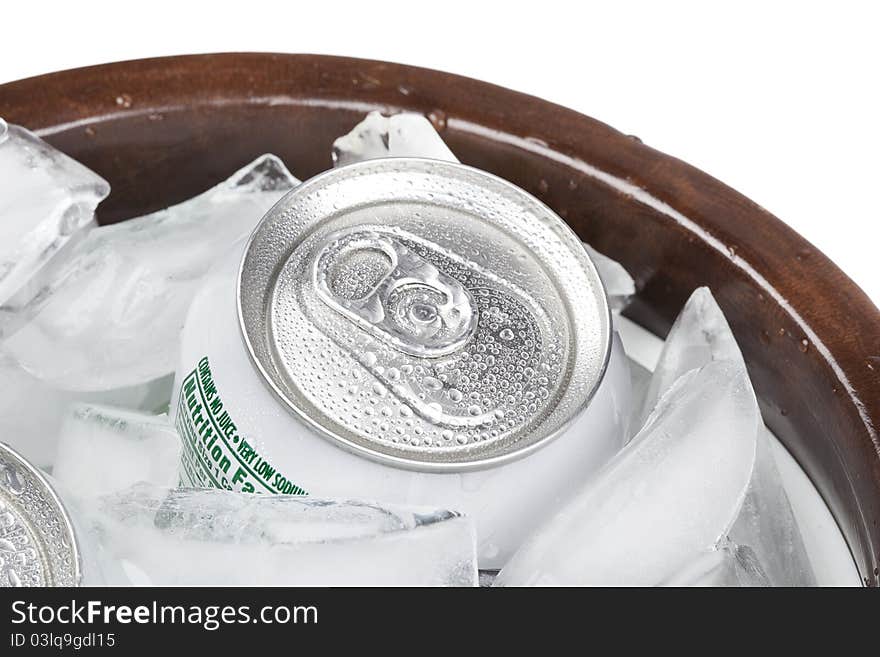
x: 110, y: 312
x: 766, y: 523
x: 190, y: 537
x: 31, y: 411
x: 46, y: 198
x: 728, y: 565
x: 103, y: 449
x: 667, y: 497
x: 401, y: 135
x: 699, y: 335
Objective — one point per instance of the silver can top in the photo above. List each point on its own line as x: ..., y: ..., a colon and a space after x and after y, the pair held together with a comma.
x: 424, y: 313
x: 37, y: 542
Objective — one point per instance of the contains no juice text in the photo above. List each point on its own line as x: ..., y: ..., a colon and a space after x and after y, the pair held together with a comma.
x: 215, y: 454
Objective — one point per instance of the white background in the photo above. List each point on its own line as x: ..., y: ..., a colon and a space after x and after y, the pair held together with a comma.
x: 781, y: 101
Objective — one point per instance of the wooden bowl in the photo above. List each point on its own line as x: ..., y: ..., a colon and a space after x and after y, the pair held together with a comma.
x: 162, y: 130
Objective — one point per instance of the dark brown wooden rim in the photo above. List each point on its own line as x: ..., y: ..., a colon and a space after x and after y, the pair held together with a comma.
x: 809, y: 333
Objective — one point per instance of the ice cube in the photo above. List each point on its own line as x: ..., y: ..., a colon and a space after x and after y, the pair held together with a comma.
x: 728, y: 565
x: 401, y: 135
x: 31, y: 411
x: 46, y: 198
x: 190, y: 537
x: 699, y: 335
x: 103, y: 449
x: 412, y: 135
x: 111, y: 310
x: 666, y: 498
x: 767, y: 525
x: 619, y: 285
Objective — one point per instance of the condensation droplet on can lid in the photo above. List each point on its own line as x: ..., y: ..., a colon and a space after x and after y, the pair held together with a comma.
x: 376, y: 260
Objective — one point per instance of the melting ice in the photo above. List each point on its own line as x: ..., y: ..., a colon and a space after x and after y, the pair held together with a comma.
x: 109, y: 313
x: 187, y: 537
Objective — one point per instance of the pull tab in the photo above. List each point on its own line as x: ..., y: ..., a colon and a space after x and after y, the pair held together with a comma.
x: 394, y: 294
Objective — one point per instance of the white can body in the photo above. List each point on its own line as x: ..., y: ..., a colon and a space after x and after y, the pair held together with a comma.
x: 238, y: 435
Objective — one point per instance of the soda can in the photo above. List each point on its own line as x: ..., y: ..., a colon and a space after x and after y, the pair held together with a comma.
x: 409, y: 331
x: 38, y: 542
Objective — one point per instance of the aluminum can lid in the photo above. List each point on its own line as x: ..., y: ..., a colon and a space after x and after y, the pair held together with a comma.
x: 423, y: 313
x: 38, y: 546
